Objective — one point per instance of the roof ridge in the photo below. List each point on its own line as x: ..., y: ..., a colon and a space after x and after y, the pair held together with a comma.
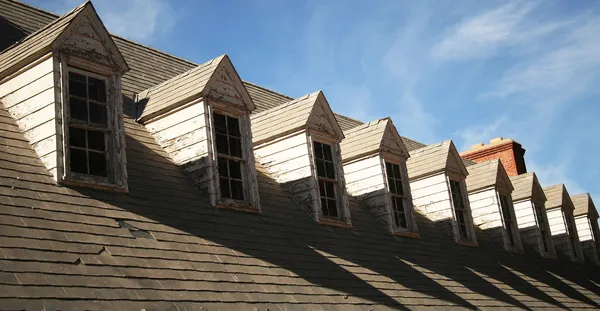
x: 286, y: 104
x: 365, y: 125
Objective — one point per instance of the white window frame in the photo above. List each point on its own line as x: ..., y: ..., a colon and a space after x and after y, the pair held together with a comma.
x: 116, y: 174
x: 406, y: 198
x: 471, y: 237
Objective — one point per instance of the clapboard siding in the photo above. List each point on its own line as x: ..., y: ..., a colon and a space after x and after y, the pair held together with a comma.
x: 364, y: 176
x: 31, y: 99
x: 485, y: 209
x: 525, y: 214
x: 584, y: 230
x: 431, y: 197
x: 556, y: 221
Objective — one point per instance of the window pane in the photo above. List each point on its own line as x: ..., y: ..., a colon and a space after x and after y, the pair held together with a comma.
x: 235, y: 147
x: 237, y: 191
x: 96, y: 140
x: 329, y: 189
x: 77, y: 137
x: 321, y: 168
x: 220, y: 123
x: 321, y: 188
x: 224, y: 183
x: 235, y: 169
x: 78, y: 161
x: 97, y: 163
x: 96, y: 89
x: 233, y: 126
x: 392, y: 185
x: 331, y: 205
x: 399, y: 189
x: 98, y: 114
x: 77, y: 85
x: 389, y: 170
x: 397, y: 171
x: 222, y: 164
x: 324, y: 208
x: 327, y: 152
x: 329, y: 170
x: 222, y: 144
x: 78, y: 109
x: 318, y: 150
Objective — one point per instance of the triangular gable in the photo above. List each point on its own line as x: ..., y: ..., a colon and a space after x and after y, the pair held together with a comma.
x: 502, y: 178
x: 537, y: 191
x: 52, y: 36
x: 87, y: 37
x: 584, y: 206
x: 323, y: 119
x: 216, y: 78
x: 392, y: 141
x: 567, y: 204
x: 454, y: 162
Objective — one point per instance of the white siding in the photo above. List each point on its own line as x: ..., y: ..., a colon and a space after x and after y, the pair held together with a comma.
x: 431, y: 197
x: 286, y: 160
x: 30, y: 99
x: 485, y: 209
x: 525, y: 214
x: 557, y: 221
x: 583, y: 228
x: 364, y: 177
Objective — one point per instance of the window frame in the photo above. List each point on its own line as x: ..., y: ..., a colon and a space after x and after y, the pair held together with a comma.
x: 406, y: 197
x: 513, y: 239
x: 229, y: 157
x: 109, y: 131
x: 334, y: 181
x: 571, y: 228
x: 470, y: 238
x: 545, y: 234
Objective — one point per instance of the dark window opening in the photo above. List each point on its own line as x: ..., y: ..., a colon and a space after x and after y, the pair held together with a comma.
x: 88, y: 126
x: 396, y: 189
x: 571, y: 231
x: 595, y: 231
x: 507, y: 218
x: 460, y: 210
x: 326, y: 178
x: 539, y: 215
x: 229, y: 156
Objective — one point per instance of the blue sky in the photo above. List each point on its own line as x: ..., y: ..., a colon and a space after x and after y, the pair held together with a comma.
x: 463, y: 70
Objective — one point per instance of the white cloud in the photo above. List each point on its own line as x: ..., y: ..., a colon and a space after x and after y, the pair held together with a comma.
x: 138, y: 20
x: 481, y: 133
x: 485, y: 34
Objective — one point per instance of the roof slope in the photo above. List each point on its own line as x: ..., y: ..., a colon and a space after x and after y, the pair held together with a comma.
x: 369, y: 138
x: 434, y: 158
x: 557, y: 196
x: 161, y: 247
x: 527, y: 186
x: 584, y: 205
x: 487, y: 174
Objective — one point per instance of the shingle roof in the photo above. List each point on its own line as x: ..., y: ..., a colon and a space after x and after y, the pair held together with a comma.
x: 412, y: 144
x: 162, y: 247
x: 557, y: 196
x: 368, y: 139
x: 527, y: 186
x: 584, y: 206
x: 432, y: 159
x: 487, y: 174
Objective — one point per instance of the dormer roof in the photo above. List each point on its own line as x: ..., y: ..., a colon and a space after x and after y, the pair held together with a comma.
x: 488, y: 174
x: 435, y: 158
x: 311, y: 110
x: 584, y: 206
x: 217, y: 78
x: 54, y: 35
x: 527, y: 186
x: 373, y: 137
x: 558, y: 196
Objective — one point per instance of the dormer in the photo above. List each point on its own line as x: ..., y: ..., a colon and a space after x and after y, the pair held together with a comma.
x: 490, y: 189
x: 202, y: 120
x: 529, y: 203
x: 437, y: 181
x: 299, y: 144
x: 586, y: 221
x: 374, y: 160
x: 559, y: 209
x: 62, y: 85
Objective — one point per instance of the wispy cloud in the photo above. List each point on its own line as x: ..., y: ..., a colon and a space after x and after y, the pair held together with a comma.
x: 485, y: 34
x: 138, y: 20
x: 481, y: 133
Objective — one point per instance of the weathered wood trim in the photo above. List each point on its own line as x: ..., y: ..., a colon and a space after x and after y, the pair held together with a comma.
x: 334, y: 223
x: 405, y: 234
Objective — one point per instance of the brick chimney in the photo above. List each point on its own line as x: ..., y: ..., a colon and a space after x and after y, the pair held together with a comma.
x: 508, y: 151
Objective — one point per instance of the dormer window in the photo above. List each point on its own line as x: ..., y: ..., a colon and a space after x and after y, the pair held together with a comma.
x: 326, y: 179
x: 570, y: 224
x: 88, y: 128
x: 508, y: 220
x: 460, y: 211
x: 229, y: 157
x: 397, y: 193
